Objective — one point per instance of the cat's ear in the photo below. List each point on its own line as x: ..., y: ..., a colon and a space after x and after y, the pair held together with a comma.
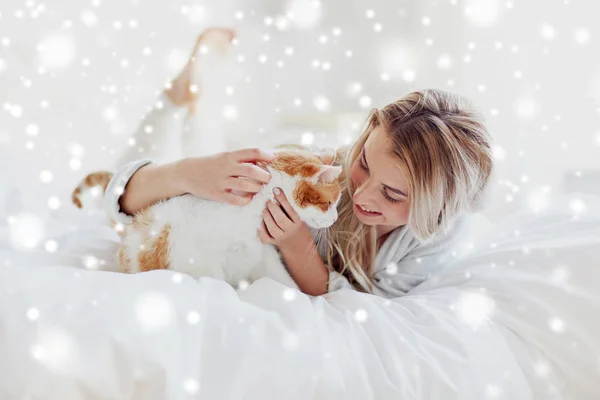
x: 327, y: 155
x: 328, y: 173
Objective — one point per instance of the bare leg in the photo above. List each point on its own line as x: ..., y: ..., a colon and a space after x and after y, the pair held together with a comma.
x: 203, y: 129
x: 159, y: 134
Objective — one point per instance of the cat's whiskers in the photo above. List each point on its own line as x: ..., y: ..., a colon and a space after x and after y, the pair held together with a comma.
x: 320, y: 233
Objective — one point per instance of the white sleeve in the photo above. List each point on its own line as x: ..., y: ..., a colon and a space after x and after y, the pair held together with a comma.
x: 337, y: 281
x: 116, y: 187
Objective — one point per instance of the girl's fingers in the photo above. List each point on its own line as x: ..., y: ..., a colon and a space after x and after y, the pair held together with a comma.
x: 236, y: 200
x: 272, y: 228
x: 287, y: 207
x: 243, y: 185
x: 264, y: 236
x: 279, y: 216
x: 252, y: 171
x: 253, y: 155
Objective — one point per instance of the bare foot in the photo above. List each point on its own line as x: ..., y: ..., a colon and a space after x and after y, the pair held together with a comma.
x: 185, y: 89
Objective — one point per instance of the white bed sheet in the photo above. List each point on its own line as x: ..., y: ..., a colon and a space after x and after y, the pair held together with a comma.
x: 517, y: 318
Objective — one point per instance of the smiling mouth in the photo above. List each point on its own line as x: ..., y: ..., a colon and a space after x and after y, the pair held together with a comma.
x: 366, y: 212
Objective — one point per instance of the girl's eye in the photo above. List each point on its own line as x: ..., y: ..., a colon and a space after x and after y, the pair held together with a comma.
x: 362, y: 165
x: 388, y: 198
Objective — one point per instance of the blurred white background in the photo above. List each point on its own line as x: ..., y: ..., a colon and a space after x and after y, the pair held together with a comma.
x: 76, y: 76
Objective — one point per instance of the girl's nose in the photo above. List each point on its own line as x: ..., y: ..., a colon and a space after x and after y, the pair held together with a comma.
x: 361, y: 194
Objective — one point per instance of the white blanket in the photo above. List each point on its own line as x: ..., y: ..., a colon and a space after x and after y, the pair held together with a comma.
x: 517, y: 318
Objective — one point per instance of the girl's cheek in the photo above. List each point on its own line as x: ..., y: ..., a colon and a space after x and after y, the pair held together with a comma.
x: 355, y: 175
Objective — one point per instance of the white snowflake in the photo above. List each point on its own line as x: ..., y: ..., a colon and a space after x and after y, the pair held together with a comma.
x: 193, y: 317
x: 89, y: 18
x: 354, y: 88
x: 46, y: 176
x: 493, y: 391
x: 153, y: 310
x: 577, y: 206
x: 75, y: 164
x: 33, y: 314
x: 409, y: 75
x: 91, y: 262
x: 474, y: 308
x: 582, y: 35
x: 391, y: 268
x: 557, y: 324
x: 538, y: 200
x: 51, y: 246
x: 177, y: 277
x: 361, y: 315
x: 54, y: 203
x: 322, y: 103
x: 14, y: 109
x: 444, y: 61
x: 542, y: 369
x: 56, y: 52
x: 290, y: 342
x: 230, y: 112
x: 547, y: 32
x: 304, y: 14
x: 55, y: 350
x: 26, y: 231
x: 482, y: 12
x: 243, y: 284
x: 365, y: 102
x: 307, y: 138
x: 282, y: 23
x: 498, y: 153
x: 290, y: 294
x: 32, y: 130
x: 191, y: 386
x: 526, y: 107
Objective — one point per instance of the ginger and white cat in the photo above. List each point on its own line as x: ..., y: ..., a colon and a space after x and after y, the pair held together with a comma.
x: 206, y: 238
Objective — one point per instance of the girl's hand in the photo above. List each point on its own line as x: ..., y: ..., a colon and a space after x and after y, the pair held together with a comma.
x: 280, y: 221
x: 230, y: 177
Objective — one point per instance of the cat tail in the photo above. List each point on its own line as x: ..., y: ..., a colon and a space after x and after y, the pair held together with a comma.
x: 99, y: 178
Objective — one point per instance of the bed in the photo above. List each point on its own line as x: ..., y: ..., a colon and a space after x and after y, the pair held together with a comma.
x: 516, y: 317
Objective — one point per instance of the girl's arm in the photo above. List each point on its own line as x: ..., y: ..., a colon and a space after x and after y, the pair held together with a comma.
x: 149, y: 185
x: 304, y: 262
x: 214, y: 177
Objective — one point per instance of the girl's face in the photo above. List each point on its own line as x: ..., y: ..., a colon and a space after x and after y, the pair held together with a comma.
x: 381, y: 194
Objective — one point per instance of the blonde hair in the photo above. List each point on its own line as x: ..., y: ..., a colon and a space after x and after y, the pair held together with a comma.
x: 443, y: 149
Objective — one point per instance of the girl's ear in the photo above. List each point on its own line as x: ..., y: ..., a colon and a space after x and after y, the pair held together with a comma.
x: 328, y: 173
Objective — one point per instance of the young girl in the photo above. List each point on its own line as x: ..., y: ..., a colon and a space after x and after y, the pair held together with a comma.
x: 422, y: 163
